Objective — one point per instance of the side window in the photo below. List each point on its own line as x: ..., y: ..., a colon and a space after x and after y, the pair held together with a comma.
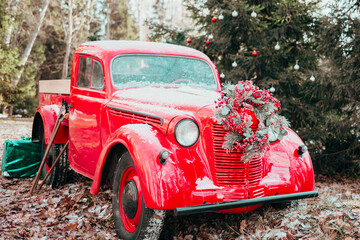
x: 84, y: 72
x: 97, y: 76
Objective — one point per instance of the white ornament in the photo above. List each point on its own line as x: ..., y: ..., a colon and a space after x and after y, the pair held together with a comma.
x: 297, y: 67
x: 211, y: 37
x: 206, y: 11
x: 253, y: 14
x: 222, y: 75
x: 220, y: 57
x: 312, y: 78
x: 234, y: 64
x: 277, y: 46
x: 221, y: 17
x: 235, y: 13
x: 272, y: 89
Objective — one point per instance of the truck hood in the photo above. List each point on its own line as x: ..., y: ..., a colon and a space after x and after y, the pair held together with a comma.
x: 166, y: 100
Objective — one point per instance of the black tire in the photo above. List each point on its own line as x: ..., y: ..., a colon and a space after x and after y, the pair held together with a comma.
x: 59, y: 174
x: 133, y: 220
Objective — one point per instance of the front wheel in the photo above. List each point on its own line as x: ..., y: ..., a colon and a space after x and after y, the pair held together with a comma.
x: 133, y: 220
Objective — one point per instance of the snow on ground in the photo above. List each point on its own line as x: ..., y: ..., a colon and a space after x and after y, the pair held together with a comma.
x: 71, y: 212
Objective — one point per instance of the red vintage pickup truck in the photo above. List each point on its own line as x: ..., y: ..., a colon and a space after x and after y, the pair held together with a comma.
x: 141, y: 120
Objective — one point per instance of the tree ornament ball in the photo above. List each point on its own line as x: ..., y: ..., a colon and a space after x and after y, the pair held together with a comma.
x: 312, y: 78
x: 221, y: 17
x: 188, y: 40
x: 207, y: 42
x: 235, y: 13
x: 254, y: 53
x: 296, y: 67
x: 211, y: 37
x: 234, y: 64
x: 253, y: 14
x: 272, y: 89
x: 222, y: 75
x: 213, y: 19
x: 277, y: 46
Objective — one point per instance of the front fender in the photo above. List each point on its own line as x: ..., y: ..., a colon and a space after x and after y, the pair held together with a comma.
x: 49, y: 114
x: 285, y: 171
x: 159, y: 183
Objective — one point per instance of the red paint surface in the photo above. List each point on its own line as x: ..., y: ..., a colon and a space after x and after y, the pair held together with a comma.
x: 94, y: 129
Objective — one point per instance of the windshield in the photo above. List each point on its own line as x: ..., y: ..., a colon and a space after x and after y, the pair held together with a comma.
x: 149, y: 70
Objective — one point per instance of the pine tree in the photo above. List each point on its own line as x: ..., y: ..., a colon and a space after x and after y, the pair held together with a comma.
x: 337, y: 89
x: 277, y: 44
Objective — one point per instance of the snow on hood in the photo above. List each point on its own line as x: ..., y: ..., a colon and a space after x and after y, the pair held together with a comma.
x: 205, y: 184
x: 177, y: 99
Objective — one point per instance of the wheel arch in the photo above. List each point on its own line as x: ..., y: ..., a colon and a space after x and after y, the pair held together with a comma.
x: 37, y: 127
x: 44, y: 123
x: 144, y: 144
x: 111, y: 161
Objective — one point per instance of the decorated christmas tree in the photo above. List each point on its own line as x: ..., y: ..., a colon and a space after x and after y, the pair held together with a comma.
x: 283, y: 46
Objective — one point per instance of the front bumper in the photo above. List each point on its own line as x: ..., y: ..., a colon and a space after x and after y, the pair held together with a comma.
x: 243, y: 203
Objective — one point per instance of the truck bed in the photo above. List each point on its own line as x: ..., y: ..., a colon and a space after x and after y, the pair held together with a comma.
x: 53, y: 91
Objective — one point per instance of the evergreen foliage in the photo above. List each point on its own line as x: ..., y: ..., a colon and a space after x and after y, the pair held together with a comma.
x: 336, y: 93
x: 325, y: 113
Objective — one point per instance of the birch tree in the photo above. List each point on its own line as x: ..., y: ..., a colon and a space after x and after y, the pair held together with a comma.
x: 68, y: 35
x: 76, y: 26
x: 30, y: 44
x: 8, y: 31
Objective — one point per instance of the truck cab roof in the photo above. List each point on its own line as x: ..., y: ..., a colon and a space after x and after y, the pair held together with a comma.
x: 115, y: 47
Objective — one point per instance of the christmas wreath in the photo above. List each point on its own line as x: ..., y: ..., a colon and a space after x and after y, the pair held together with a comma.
x: 232, y: 112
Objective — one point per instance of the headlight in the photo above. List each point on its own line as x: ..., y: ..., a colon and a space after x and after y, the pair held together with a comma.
x: 187, y: 132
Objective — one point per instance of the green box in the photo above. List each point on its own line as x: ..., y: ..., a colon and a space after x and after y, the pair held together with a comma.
x: 21, y: 158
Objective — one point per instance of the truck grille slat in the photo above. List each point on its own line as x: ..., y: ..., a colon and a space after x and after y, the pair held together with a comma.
x: 229, y: 168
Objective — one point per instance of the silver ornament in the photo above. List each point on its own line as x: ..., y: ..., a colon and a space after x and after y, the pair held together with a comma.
x: 253, y: 14
x: 235, y: 13
x: 297, y: 67
x: 234, y: 64
x: 277, y: 46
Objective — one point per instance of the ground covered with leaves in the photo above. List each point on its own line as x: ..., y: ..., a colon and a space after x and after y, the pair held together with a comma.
x: 71, y: 212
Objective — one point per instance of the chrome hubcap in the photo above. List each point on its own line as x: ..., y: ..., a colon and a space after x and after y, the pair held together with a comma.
x: 130, y: 199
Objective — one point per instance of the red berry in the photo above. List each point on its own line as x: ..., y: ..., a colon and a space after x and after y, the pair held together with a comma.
x: 213, y: 19
x: 188, y: 40
x: 207, y: 42
x: 254, y: 53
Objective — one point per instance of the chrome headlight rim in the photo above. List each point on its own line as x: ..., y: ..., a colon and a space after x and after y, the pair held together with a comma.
x: 177, y: 129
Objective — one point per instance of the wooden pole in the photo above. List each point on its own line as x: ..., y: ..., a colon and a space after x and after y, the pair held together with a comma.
x: 53, y: 165
x: 55, y: 130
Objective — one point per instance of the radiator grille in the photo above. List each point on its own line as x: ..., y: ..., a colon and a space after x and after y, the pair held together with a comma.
x: 136, y: 116
x: 230, y: 170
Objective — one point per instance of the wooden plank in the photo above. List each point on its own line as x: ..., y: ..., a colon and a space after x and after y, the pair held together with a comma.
x: 59, y: 86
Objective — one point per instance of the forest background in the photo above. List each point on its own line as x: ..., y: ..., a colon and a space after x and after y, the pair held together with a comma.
x: 309, y: 57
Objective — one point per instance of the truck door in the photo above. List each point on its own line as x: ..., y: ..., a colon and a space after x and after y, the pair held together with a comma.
x: 87, y: 100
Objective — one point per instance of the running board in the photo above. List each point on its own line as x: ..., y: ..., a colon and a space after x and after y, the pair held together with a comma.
x: 243, y: 203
